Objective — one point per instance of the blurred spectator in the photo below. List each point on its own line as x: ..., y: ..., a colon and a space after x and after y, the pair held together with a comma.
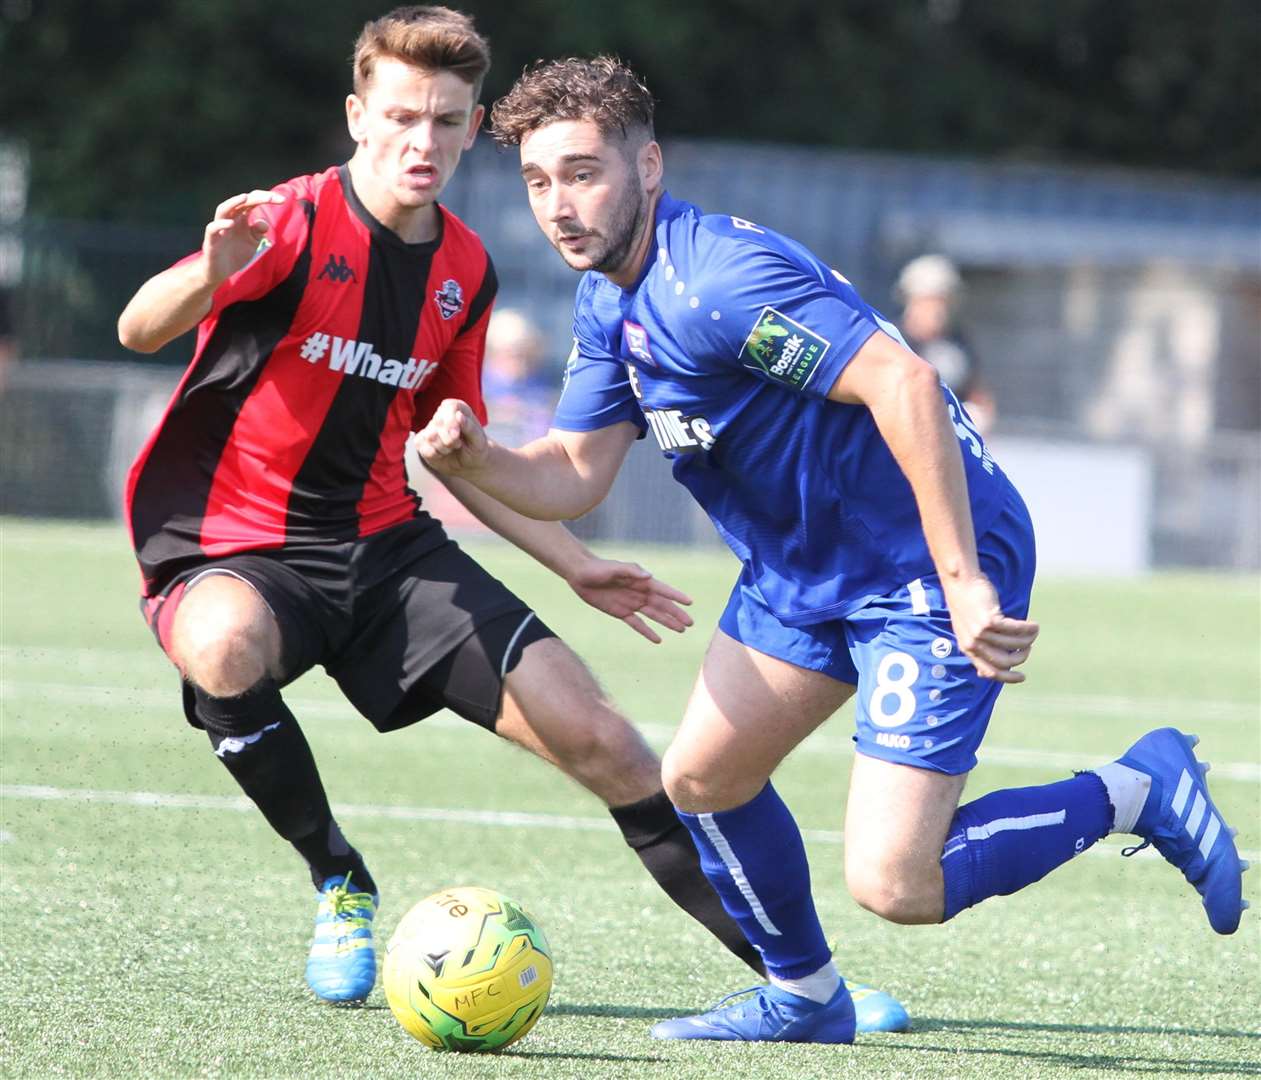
x: 520, y: 396
x: 930, y: 290
x: 520, y: 393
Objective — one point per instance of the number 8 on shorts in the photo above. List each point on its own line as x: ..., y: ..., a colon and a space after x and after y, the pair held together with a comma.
x: 894, y: 677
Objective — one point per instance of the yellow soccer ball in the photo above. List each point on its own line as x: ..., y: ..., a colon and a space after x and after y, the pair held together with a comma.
x: 467, y: 969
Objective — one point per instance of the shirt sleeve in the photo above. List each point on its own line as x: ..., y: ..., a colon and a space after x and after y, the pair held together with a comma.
x: 780, y: 315
x: 289, y: 222
x: 460, y: 373
x: 597, y: 392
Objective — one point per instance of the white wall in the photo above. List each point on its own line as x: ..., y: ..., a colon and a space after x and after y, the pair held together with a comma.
x: 1091, y: 504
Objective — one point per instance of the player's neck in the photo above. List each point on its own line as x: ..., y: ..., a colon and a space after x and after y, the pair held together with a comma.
x: 625, y: 276
x: 412, y: 224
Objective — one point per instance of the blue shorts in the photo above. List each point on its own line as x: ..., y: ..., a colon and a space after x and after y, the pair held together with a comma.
x: 920, y: 701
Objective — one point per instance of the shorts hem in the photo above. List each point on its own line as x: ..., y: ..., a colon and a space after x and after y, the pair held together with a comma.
x: 382, y: 712
x: 905, y: 757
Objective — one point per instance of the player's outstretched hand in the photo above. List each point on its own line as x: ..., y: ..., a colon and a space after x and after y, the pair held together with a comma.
x: 454, y: 441
x: 995, y: 644
x: 231, y: 238
x: 627, y: 591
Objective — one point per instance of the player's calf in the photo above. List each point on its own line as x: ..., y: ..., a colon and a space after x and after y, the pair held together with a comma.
x: 896, y: 823
x: 553, y: 707
x: 609, y: 757
x: 912, y: 854
x: 899, y: 891
x: 259, y: 742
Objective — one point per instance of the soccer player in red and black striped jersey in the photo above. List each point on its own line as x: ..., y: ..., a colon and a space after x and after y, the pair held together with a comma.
x: 270, y: 512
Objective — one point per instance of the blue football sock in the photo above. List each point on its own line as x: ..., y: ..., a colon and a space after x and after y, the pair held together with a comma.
x: 754, y: 858
x: 1009, y: 839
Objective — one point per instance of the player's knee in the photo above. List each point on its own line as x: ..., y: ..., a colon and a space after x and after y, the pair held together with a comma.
x: 224, y: 661
x: 224, y: 640
x: 623, y: 750
x: 695, y: 788
x: 681, y: 783
x: 899, y: 893
x: 606, y: 743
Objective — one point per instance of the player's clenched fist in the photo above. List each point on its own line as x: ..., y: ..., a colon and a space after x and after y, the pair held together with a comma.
x: 453, y: 441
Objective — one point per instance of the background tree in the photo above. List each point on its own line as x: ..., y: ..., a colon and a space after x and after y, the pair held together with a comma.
x: 151, y: 111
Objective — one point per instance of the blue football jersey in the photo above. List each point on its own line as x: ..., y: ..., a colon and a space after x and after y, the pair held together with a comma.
x: 725, y: 349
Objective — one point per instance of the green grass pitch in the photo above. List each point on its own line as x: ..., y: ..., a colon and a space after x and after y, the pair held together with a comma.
x: 165, y: 936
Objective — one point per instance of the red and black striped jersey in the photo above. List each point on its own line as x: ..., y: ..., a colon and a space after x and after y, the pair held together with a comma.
x: 314, y: 364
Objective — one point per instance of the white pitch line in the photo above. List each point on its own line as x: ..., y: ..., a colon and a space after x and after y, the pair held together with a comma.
x: 1023, y: 699
x: 511, y: 819
x: 240, y: 804
x: 834, y: 741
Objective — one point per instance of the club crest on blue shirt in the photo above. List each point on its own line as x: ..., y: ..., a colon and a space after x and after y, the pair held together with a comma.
x: 782, y: 349
x: 450, y: 298
x: 636, y: 338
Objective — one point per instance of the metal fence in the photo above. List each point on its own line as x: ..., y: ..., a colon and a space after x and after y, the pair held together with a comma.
x: 68, y: 431
x: 1107, y: 309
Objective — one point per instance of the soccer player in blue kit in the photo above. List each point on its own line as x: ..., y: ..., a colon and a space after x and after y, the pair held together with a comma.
x: 886, y: 557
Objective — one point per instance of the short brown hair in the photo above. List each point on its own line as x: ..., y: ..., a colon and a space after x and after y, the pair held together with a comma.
x: 602, y: 90
x: 427, y: 37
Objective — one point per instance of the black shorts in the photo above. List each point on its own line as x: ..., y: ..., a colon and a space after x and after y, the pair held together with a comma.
x: 405, y: 627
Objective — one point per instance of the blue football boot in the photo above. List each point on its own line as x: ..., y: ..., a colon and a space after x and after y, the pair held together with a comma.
x: 342, y: 965
x: 1180, y: 819
x: 770, y: 1015
x: 876, y: 1011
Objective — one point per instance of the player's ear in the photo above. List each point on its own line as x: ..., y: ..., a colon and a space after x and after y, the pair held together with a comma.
x: 355, y: 118
x: 651, y: 168
x: 474, y: 125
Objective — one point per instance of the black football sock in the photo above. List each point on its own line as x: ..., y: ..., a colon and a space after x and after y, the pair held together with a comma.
x: 665, y: 847
x: 275, y: 768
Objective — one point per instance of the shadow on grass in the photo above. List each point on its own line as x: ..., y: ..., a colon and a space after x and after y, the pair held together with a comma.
x: 928, y: 1023
x: 621, y: 1012
x: 575, y: 1055
x: 1118, y: 1061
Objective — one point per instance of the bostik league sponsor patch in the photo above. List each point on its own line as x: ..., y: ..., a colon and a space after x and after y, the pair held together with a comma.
x: 783, y: 349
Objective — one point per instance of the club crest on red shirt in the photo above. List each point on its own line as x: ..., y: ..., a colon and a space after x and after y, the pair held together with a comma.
x: 450, y: 298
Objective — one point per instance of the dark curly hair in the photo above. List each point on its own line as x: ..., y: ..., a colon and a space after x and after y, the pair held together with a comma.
x: 603, y: 90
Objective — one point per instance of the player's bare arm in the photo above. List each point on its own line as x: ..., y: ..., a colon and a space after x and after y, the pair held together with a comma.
x: 904, y: 395
x: 626, y: 591
x: 558, y: 477
x: 173, y: 302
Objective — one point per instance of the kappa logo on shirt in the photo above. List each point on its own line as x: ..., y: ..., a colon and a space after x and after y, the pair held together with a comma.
x: 337, y: 269
x: 782, y: 349
x: 450, y: 298
x: 350, y: 357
